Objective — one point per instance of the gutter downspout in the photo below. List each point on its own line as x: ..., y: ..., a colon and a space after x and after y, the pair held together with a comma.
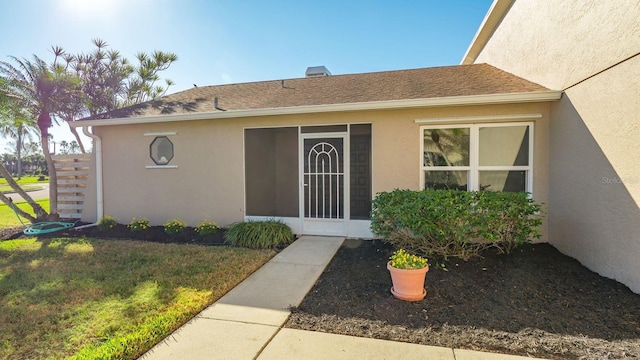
x: 97, y: 147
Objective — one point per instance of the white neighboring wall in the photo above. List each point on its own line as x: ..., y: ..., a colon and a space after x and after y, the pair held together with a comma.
x: 591, y: 50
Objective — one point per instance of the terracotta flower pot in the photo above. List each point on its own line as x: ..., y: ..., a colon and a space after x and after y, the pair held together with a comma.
x: 408, y: 284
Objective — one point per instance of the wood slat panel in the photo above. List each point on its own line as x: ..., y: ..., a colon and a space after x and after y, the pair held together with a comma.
x: 70, y: 192
x: 72, y: 182
x: 70, y: 157
x: 69, y: 206
x: 70, y: 215
x: 70, y: 197
x: 73, y: 165
x: 61, y: 173
x: 73, y: 176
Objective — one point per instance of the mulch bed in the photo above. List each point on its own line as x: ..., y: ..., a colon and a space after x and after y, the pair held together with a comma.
x: 533, y: 302
x: 152, y: 234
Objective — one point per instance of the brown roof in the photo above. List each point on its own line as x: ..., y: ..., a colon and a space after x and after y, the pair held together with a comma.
x: 435, y: 82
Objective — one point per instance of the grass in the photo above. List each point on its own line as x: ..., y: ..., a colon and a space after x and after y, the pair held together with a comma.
x: 27, y: 183
x: 8, y: 217
x: 93, y: 298
x: 25, y: 180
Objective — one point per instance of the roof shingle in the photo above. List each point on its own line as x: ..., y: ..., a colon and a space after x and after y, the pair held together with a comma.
x: 435, y: 82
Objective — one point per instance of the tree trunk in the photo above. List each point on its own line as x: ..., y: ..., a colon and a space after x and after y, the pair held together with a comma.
x: 19, y: 153
x: 41, y: 214
x: 74, y: 131
x: 44, y: 122
x: 20, y: 212
x: 53, y: 178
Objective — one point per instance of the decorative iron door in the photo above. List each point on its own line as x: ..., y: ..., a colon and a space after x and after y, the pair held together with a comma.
x: 323, y: 177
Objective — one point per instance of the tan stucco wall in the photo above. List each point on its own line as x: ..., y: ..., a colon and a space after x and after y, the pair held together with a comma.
x: 209, y: 180
x: 586, y: 48
x: 595, y: 182
x: 558, y: 43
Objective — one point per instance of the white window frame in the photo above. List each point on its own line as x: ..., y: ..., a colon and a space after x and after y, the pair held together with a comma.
x: 474, y: 168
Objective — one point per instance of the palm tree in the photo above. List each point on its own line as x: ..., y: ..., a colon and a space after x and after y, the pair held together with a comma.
x: 6, y: 100
x: 108, y: 81
x: 64, y: 147
x: 74, y: 147
x: 19, y: 125
x: 80, y: 85
x: 39, y: 89
x: 143, y: 85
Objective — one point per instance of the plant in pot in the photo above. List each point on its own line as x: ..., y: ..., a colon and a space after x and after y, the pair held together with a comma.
x: 408, y: 273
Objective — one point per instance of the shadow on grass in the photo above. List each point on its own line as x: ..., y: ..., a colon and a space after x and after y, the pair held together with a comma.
x: 59, y: 295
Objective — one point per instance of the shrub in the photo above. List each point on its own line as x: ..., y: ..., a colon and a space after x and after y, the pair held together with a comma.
x: 507, y: 219
x: 174, y: 226
x: 107, y: 222
x: 259, y: 234
x: 138, y: 224
x: 207, y: 227
x: 453, y: 223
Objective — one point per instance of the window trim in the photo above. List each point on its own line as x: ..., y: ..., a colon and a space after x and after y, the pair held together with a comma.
x: 474, y: 166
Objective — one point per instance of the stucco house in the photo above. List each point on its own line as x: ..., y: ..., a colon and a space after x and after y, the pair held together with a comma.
x: 543, y: 107
x: 314, y: 151
x: 589, y: 50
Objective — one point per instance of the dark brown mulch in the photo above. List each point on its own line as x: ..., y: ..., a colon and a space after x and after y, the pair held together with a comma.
x: 153, y: 234
x: 535, y: 302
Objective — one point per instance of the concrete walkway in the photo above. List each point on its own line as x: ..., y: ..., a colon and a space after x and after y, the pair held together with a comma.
x: 247, y: 322
x: 38, y: 194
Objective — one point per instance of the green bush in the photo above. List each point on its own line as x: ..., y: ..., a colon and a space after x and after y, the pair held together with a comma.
x: 138, y: 224
x: 453, y: 223
x: 174, y: 226
x: 107, y: 222
x: 259, y: 234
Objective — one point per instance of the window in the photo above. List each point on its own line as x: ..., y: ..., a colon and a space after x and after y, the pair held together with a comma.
x: 360, y: 171
x: 492, y: 157
x: 161, y: 150
x: 271, y: 172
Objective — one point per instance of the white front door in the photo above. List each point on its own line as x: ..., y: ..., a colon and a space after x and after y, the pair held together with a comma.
x: 324, y: 173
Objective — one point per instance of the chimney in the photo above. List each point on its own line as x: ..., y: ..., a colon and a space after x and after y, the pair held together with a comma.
x: 315, y: 71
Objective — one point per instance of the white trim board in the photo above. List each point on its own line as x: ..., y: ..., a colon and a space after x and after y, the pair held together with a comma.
x: 537, y: 96
x: 479, y: 119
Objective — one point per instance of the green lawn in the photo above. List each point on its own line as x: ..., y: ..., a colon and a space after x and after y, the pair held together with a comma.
x: 8, y: 217
x: 107, y: 299
x: 27, y: 183
x: 25, y: 180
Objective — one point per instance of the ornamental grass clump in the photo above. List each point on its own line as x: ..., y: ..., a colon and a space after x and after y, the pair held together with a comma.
x: 174, y: 226
x: 259, y: 234
x: 401, y: 259
x: 107, y: 223
x: 138, y: 224
x: 207, y: 227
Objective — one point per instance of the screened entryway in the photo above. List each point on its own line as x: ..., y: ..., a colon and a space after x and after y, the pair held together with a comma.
x: 323, y: 179
x: 315, y: 178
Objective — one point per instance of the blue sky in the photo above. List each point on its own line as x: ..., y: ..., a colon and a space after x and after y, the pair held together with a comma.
x: 235, y: 41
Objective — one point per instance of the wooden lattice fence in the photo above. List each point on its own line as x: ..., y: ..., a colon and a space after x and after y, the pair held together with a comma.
x: 73, y: 175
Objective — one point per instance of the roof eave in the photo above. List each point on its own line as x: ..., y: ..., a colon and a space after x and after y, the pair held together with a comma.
x: 537, y: 96
x: 494, y: 16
